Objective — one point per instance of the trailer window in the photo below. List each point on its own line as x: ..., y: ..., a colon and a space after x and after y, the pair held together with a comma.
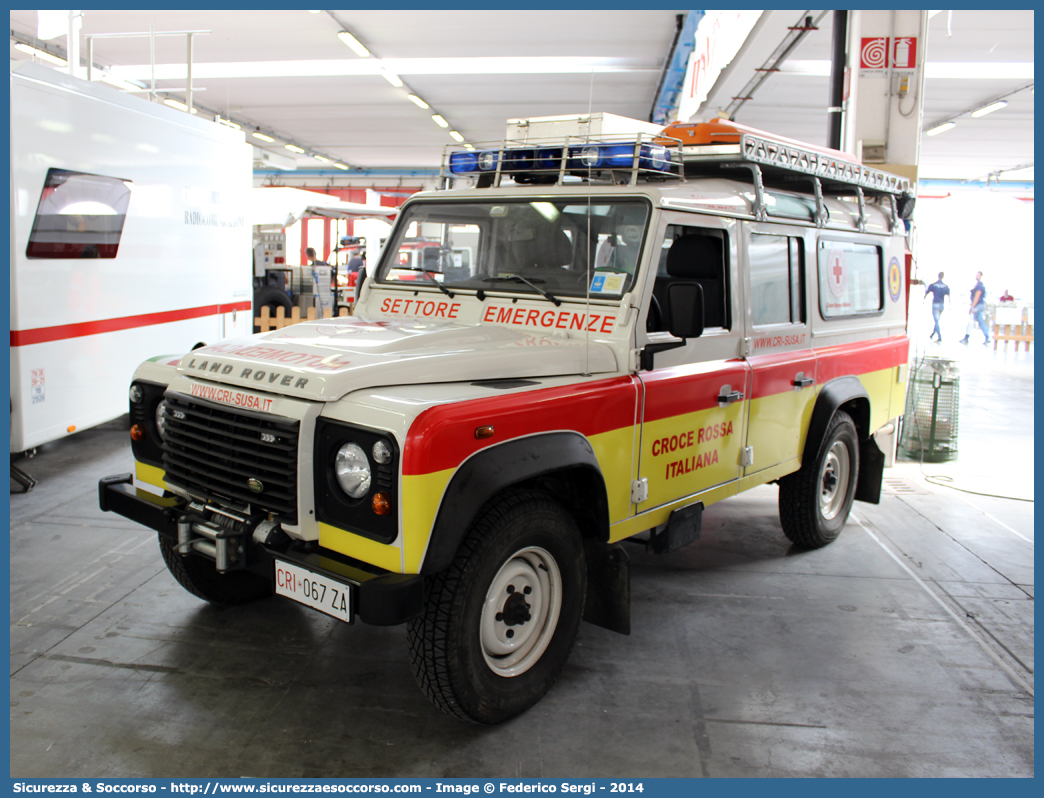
x: 850, y: 279
x: 79, y: 215
x: 776, y: 280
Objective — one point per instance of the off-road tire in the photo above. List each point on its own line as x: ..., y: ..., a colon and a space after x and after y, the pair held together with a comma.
x: 519, y: 536
x: 814, y: 502
x: 200, y: 578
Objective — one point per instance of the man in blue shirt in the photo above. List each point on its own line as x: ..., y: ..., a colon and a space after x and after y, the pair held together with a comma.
x: 939, y: 291
x: 978, y: 309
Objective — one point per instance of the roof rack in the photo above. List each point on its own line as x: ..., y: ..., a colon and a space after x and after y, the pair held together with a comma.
x: 616, y: 158
x: 721, y: 148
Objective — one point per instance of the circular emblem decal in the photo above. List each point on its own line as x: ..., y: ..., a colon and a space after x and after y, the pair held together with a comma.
x: 895, y: 279
x: 255, y: 485
x: 837, y: 273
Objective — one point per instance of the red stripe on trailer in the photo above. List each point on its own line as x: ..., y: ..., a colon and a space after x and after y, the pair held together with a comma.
x: 62, y: 332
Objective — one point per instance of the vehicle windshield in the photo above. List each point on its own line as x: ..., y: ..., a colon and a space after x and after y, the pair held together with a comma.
x: 561, y: 247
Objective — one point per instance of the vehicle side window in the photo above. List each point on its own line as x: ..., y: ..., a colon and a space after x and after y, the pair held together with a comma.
x: 777, y: 279
x: 695, y: 254
x: 850, y: 279
x: 79, y: 215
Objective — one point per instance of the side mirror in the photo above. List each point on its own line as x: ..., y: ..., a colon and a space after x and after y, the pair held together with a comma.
x: 685, y: 300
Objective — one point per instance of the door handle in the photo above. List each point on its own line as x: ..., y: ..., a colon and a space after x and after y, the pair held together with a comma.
x: 801, y: 381
x: 726, y: 396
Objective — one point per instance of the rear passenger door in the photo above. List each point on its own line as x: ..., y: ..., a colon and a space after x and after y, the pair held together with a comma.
x: 694, y: 404
x: 783, y: 366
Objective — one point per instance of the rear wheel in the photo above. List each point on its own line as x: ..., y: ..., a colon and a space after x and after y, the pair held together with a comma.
x: 814, y: 502
x: 499, y: 623
x: 200, y: 578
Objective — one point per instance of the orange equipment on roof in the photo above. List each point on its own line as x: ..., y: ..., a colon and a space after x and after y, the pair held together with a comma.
x: 723, y: 131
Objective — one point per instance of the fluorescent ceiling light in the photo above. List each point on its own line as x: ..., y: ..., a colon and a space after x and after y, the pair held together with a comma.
x: 439, y: 120
x: 400, y: 66
x: 935, y: 131
x: 321, y: 158
x: 120, y: 84
x: 180, y: 106
x: 227, y: 123
x: 293, y: 148
x: 418, y: 101
x: 392, y: 78
x: 470, y: 147
x: 354, y: 43
x: 989, y: 109
x: 263, y: 137
x: 456, y: 136
x: 340, y: 166
x: 41, y: 54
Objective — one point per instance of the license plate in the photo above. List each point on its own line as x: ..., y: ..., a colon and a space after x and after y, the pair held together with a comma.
x: 313, y: 590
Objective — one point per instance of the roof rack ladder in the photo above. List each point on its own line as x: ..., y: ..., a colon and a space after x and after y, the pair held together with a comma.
x: 760, y: 209
x: 822, y: 214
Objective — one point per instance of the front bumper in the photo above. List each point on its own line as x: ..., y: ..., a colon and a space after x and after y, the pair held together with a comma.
x: 380, y: 598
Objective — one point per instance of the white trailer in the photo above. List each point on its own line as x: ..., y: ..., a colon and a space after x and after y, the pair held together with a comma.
x: 130, y: 236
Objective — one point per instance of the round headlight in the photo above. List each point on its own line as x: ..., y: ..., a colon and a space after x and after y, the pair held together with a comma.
x: 381, y: 452
x: 352, y: 469
x: 161, y: 418
x: 135, y: 393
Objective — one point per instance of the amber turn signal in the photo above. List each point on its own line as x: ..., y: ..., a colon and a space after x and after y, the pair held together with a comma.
x: 381, y: 503
x: 484, y: 432
x: 137, y: 432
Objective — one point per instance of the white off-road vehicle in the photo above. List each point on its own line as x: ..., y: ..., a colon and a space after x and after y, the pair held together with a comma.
x: 596, y: 341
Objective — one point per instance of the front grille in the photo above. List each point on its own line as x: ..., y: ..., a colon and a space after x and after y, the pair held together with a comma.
x: 212, y: 451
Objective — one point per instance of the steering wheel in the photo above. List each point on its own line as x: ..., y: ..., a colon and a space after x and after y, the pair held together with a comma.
x: 654, y: 321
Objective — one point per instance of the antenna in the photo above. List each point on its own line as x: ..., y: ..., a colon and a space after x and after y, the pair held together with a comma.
x: 589, y: 266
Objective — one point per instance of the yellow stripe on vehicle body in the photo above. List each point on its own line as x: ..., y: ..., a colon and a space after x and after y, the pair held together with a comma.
x: 878, y: 386
x: 351, y: 545
x: 150, y: 475
x: 664, y: 480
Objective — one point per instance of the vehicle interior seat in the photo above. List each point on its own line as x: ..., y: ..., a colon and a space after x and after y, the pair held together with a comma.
x: 700, y: 259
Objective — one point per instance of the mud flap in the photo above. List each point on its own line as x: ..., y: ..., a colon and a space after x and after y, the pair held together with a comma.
x: 608, y: 600
x: 871, y: 472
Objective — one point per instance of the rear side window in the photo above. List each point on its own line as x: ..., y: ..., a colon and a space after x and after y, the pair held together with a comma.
x: 850, y: 279
x: 776, y: 280
x: 79, y: 215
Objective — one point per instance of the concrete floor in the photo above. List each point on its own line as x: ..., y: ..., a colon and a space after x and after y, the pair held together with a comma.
x: 903, y: 649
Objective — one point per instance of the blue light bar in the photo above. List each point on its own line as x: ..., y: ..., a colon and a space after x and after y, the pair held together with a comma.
x: 580, y: 157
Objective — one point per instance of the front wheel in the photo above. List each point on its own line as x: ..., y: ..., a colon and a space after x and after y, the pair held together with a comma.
x: 814, y: 502
x: 499, y: 623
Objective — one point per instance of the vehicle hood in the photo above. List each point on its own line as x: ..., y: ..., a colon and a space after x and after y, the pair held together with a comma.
x: 324, y: 360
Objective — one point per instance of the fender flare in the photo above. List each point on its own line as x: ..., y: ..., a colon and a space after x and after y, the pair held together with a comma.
x: 834, y: 395
x: 498, y: 467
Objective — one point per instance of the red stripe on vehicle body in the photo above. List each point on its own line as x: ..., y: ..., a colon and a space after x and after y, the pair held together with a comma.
x: 863, y: 357
x: 678, y: 390
x: 41, y: 335
x: 444, y: 436
x: 774, y: 374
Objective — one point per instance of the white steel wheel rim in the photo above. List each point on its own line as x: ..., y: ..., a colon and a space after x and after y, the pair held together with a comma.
x: 833, y: 481
x: 520, y: 612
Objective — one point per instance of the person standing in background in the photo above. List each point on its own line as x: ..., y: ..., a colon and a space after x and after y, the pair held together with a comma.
x: 939, y: 291
x: 977, y: 311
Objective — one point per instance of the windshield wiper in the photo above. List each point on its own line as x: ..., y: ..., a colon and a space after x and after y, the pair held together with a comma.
x: 518, y: 278
x: 431, y: 276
